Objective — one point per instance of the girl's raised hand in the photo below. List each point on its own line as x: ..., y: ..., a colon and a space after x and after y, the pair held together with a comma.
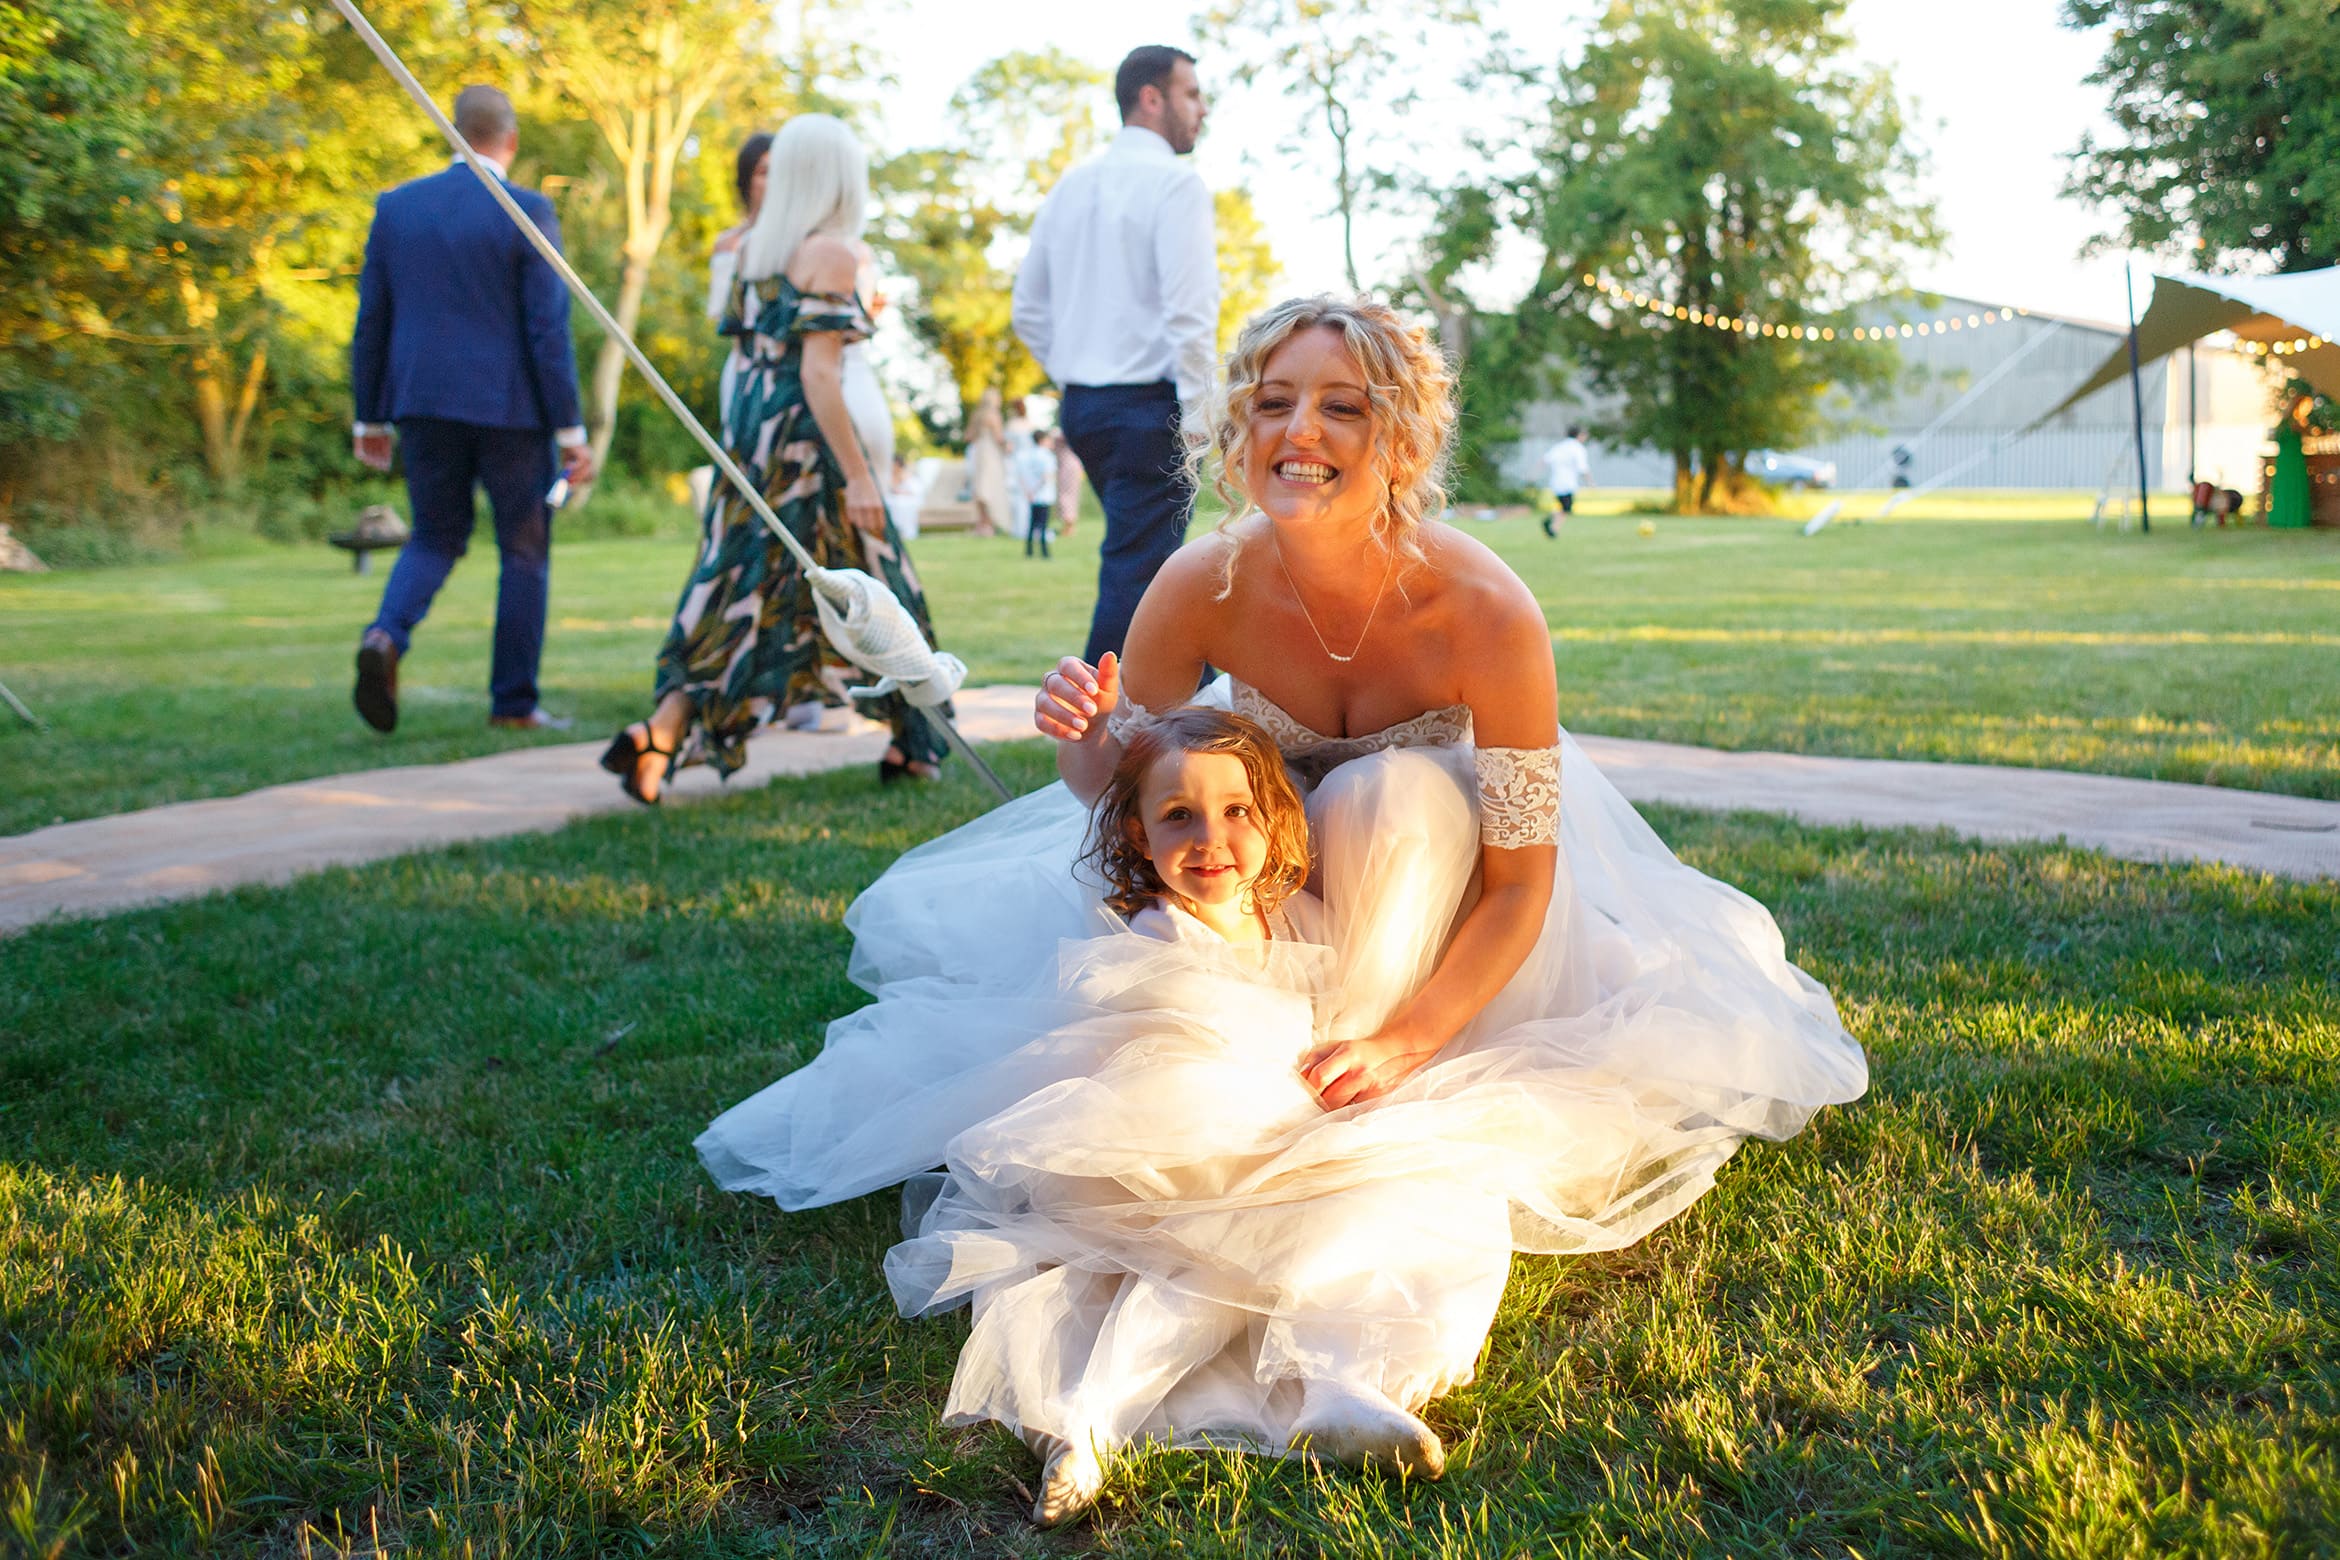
x: 1076, y: 698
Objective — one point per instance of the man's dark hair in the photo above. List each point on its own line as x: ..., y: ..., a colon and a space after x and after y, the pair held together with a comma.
x: 1576, y: 430
x: 751, y: 152
x: 1148, y: 65
x: 483, y: 116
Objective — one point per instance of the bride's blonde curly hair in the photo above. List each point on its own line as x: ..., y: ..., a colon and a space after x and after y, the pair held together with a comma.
x: 1409, y: 392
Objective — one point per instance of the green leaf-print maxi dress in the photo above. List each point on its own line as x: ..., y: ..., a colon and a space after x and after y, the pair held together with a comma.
x: 745, y: 643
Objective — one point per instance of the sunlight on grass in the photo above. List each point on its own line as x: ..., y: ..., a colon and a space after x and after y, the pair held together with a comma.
x: 363, y: 1212
x: 2203, y: 651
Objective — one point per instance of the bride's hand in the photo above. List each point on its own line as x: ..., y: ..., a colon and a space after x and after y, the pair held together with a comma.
x: 1348, y: 1071
x: 1076, y: 698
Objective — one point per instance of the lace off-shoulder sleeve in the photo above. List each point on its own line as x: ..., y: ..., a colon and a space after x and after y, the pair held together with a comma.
x: 1519, y: 796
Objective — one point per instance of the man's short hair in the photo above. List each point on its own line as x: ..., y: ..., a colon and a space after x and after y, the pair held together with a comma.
x: 1148, y: 65
x: 483, y: 116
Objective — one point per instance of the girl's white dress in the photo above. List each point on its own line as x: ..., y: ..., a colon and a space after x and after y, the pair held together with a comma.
x: 1162, y: 1233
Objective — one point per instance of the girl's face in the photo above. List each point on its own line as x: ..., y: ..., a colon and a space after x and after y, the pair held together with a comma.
x: 756, y: 185
x: 1200, y: 827
x: 1310, y: 456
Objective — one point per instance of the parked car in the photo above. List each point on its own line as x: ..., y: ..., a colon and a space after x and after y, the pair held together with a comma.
x: 1791, y: 471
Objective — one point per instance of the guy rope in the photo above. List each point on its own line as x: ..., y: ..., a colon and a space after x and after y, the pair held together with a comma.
x: 858, y: 614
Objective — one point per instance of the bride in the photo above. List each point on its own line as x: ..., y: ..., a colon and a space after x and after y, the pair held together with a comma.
x: 1540, y: 1031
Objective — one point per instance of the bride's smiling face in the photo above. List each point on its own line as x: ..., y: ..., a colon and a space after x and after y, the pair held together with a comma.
x: 1311, y: 450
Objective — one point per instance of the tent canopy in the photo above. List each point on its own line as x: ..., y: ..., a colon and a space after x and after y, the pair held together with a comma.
x: 2187, y: 307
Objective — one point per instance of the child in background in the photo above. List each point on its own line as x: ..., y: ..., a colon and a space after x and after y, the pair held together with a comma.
x: 1035, y: 473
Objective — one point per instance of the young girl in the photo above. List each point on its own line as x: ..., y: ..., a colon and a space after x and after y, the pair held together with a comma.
x: 1126, y: 1235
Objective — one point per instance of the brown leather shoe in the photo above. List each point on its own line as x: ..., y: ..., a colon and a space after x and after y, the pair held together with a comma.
x: 376, y: 693
x: 534, y: 720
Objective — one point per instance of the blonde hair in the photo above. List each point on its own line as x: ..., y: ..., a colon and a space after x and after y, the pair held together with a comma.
x: 1409, y: 392
x: 818, y: 182
x: 1116, y: 831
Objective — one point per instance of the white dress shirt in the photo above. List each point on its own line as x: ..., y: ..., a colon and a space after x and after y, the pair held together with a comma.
x: 1121, y: 286
x: 566, y: 438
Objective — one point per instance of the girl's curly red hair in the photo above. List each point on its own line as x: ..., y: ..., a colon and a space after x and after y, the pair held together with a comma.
x: 1116, y: 845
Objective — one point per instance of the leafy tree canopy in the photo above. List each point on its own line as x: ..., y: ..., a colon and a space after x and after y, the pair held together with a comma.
x: 2227, y: 115
x: 1722, y: 159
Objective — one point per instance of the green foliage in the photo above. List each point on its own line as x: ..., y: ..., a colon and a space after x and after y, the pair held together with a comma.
x: 1247, y: 264
x: 954, y: 212
x: 1349, y: 67
x: 2227, y: 151
x: 74, y: 187
x: 1725, y: 161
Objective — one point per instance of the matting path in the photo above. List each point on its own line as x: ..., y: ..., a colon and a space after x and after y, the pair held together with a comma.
x: 101, y: 865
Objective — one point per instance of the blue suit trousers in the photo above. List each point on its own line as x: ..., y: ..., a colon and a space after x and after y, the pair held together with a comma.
x: 1127, y: 437
x: 445, y: 463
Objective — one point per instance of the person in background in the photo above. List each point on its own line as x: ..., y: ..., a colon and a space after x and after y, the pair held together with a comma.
x: 461, y: 353
x: 905, y: 496
x: 746, y: 644
x: 2290, y: 500
x: 1069, y: 477
x: 1566, y: 465
x: 987, y: 480
x: 1118, y: 298
x: 1036, y: 475
x: 750, y: 172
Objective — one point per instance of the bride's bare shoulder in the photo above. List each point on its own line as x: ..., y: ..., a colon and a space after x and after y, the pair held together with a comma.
x: 1478, y: 587
x: 1197, y: 572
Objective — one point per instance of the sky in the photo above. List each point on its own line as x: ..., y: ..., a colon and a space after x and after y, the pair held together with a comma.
x: 1993, y: 94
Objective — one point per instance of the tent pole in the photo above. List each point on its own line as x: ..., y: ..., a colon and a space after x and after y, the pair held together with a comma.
x: 2193, y: 418
x: 2137, y: 404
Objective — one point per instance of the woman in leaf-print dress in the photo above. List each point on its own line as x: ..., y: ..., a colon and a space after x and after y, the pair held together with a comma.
x: 746, y: 645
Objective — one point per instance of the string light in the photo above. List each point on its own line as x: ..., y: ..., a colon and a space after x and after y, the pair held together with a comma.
x: 2283, y: 348
x: 1750, y: 325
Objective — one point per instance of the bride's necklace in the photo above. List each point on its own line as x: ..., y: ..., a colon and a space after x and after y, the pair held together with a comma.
x: 1310, y: 620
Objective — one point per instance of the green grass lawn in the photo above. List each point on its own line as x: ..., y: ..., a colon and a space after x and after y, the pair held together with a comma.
x: 360, y: 1216
x: 1968, y: 633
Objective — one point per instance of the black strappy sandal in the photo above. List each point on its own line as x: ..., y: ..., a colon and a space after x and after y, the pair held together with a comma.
x: 893, y: 769
x: 623, y: 758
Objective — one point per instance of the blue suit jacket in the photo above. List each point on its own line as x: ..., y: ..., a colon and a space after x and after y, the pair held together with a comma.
x: 458, y: 316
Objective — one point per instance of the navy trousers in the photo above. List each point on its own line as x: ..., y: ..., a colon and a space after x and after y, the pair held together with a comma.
x: 445, y: 462
x: 1127, y: 437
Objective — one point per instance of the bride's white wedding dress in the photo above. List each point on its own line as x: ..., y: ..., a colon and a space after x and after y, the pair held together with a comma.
x: 1163, y: 1236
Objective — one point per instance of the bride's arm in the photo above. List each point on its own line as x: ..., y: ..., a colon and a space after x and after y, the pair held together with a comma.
x: 1162, y: 664
x: 1514, y: 702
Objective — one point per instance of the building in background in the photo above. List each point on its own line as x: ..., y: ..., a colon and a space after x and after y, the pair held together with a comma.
x: 1967, y: 392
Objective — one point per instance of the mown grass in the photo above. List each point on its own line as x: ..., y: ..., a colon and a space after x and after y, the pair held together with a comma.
x: 1969, y: 634
x: 360, y: 1216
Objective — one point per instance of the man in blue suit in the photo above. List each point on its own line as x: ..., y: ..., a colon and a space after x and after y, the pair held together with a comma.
x: 462, y: 347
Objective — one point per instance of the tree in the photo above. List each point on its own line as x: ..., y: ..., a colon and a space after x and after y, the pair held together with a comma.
x: 75, y: 193
x: 1336, y: 59
x: 2228, y: 114
x: 1247, y: 265
x: 642, y: 71
x: 956, y: 212
x: 1712, y: 187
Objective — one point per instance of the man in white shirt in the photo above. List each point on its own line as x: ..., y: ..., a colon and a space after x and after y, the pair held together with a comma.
x: 1119, y: 300
x: 1566, y: 465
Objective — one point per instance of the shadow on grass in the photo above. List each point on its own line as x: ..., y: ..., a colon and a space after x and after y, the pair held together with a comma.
x: 368, y: 1204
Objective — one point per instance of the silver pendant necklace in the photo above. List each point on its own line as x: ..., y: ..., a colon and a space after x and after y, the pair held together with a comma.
x: 1306, y: 617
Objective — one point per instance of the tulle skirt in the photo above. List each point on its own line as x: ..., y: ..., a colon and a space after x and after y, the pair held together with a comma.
x: 1162, y: 1234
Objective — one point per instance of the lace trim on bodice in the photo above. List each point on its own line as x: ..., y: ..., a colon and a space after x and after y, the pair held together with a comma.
x: 1314, y: 753
x: 1519, y: 788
